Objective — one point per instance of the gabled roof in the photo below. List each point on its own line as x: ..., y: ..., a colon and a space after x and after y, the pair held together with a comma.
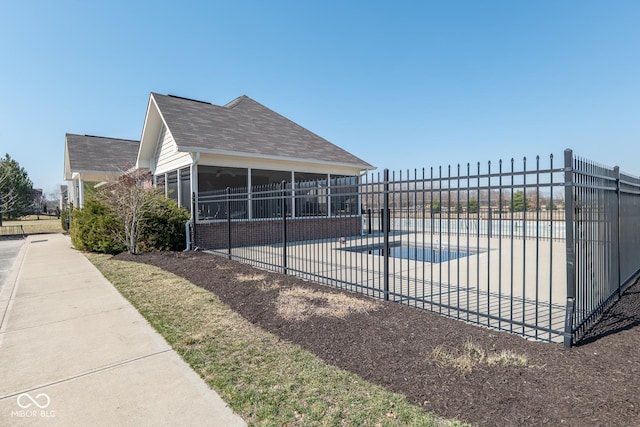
x: 245, y: 127
x: 96, y: 154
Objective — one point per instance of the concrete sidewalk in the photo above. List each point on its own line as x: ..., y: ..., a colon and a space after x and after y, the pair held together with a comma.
x: 74, y: 352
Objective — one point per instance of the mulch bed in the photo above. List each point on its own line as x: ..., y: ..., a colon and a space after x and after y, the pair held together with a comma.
x: 596, y: 383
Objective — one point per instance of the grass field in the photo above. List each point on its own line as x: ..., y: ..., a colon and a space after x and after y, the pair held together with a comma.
x: 264, y: 379
x: 32, y: 225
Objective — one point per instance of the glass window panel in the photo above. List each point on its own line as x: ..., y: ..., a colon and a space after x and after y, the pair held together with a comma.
x: 172, y: 185
x: 306, y: 176
x: 212, y: 178
x: 212, y: 206
x: 212, y: 184
x: 311, y: 198
x: 185, y: 188
x: 267, y: 200
x: 265, y: 177
x: 266, y: 193
x: 160, y: 182
x: 344, y: 195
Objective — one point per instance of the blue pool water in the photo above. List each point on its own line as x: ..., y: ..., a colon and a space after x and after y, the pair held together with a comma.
x: 414, y: 253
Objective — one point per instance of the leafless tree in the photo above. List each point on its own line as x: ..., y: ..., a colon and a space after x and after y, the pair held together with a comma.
x: 9, y: 197
x: 132, y: 201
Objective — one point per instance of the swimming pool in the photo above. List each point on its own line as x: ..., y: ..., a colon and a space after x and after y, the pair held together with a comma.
x: 413, y: 253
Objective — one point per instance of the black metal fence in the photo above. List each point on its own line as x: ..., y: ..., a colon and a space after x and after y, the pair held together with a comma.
x: 11, y: 231
x: 533, y: 249
x: 603, y: 240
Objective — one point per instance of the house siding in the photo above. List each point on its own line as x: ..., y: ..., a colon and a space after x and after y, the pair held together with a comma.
x: 168, y: 157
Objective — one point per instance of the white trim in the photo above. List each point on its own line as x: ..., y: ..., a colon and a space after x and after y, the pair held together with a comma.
x: 139, y: 160
x: 249, y: 195
x: 80, y: 191
x: 193, y: 176
x: 329, y: 196
x: 255, y: 156
x: 144, y: 129
x: 293, y: 195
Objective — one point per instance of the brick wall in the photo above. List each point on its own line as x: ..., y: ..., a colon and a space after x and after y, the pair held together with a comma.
x: 264, y: 232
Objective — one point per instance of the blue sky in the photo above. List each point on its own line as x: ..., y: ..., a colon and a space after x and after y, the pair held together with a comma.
x: 401, y: 84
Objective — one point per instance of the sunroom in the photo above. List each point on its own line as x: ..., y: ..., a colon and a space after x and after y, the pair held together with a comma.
x: 197, y: 152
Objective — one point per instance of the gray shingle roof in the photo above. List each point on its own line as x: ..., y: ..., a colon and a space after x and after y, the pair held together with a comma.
x: 245, y: 126
x: 100, y: 154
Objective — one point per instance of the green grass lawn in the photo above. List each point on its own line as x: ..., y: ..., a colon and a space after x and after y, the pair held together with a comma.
x: 32, y: 225
x: 267, y: 381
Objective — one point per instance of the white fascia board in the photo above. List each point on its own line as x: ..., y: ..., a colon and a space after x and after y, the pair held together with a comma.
x: 272, y: 157
x: 144, y: 131
x: 147, y: 143
x: 67, y: 162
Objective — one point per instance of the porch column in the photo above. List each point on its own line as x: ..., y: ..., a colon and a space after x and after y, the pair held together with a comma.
x: 293, y: 194
x: 249, y: 192
x: 193, y: 180
x: 194, y: 188
x: 80, y: 191
x: 329, y: 195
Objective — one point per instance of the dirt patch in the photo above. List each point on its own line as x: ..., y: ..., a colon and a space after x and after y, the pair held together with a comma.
x: 250, y: 277
x: 507, y: 381
x: 473, y: 356
x: 298, y: 304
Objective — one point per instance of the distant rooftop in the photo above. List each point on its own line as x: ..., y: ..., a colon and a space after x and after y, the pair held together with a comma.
x: 88, y: 153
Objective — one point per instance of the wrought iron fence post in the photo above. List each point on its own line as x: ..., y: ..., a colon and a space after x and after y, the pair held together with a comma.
x: 229, y: 222
x: 489, y: 214
x: 569, y: 212
x: 616, y: 231
x: 369, y: 220
x: 386, y: 222
x: 194, y: 215
x: 284, y: 226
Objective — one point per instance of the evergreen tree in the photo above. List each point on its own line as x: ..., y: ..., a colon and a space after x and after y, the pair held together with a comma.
x: 15, y: 189
x: 519, y: 202
x: 473, y: 205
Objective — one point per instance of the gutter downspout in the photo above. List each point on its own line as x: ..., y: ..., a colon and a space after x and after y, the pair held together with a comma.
x: 187, y: 234
x: 194, y: 188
